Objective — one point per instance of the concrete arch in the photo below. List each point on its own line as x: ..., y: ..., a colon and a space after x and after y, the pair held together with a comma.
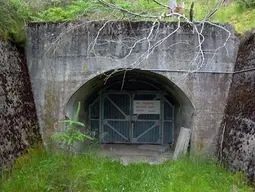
x: 137, y: 79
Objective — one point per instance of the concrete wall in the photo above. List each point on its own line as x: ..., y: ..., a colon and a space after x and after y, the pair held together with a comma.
x: 237, y: 149
x: 18, y: 122
x: 64, y: 56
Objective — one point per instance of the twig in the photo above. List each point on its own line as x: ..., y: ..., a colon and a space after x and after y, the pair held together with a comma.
x: 161, y: 4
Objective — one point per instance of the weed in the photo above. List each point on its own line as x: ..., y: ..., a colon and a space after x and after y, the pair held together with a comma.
x: 43, y: 171
x: 71, y: 134
x: 16, y: 14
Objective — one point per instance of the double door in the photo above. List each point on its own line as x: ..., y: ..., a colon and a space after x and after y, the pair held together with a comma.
x: 131, y: 118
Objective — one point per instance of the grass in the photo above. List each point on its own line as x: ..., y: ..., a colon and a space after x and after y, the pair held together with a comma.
x: 242, y: 19
x: 44, y: 171
x: 16, y: 14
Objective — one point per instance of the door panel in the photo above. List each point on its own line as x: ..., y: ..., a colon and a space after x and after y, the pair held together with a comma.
x: 168, y: 132
x: 168, y: 122
x: 94, y: 117
x: 116, y: 121
x: 146, y: 127
x: 116, y: 131
x: 146, y: 132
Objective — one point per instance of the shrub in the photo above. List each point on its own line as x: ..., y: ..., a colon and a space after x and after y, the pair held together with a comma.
x: 13, y: 14
x: 246, y: 3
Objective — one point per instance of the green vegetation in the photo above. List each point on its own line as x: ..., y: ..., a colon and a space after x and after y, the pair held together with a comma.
x: 71, y: 132
x: 15, y: 14
x: 246, y: 3
x: 45, y: 171
x: 70, y: 135
x: 243, y: 19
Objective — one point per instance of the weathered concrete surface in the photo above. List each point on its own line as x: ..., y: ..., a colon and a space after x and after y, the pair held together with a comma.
x: 18, y: 122
x: 237, y: 145
x: 64, y: 56
x: 182, y: 143
x: 127, y: 154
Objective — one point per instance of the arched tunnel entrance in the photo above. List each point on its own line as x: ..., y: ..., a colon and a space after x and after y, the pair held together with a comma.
x: 132, y: 107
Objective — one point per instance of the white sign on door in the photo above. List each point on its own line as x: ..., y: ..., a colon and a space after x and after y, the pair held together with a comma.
x: 146, y: 107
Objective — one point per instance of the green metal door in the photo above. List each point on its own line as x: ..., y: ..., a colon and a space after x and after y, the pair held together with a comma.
x: 132, y: 117
x: 115, y: 118
x: 146, y: 119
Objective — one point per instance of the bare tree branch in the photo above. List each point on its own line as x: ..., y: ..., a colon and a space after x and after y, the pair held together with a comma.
x: 215, y: 10
x: 151, y: 39
x: 161, y: 4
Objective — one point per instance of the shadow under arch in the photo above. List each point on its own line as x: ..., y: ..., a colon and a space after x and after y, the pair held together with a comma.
x: 135, y: 80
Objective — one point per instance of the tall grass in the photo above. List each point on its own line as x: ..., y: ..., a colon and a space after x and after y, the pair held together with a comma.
x: 45, y: 171
x: 15, y: 14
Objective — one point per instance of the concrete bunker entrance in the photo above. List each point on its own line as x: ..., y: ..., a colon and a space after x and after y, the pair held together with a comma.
x: 132, y: 107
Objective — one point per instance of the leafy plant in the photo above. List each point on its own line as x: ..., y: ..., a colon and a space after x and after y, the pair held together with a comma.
x: 71, y: 11
x: 71, y: 134
x: 246, y: 3
x: 15, y: 14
